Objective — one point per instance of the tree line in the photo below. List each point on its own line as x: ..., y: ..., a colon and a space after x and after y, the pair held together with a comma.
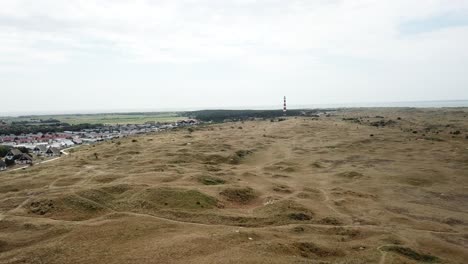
x: 221, y: 115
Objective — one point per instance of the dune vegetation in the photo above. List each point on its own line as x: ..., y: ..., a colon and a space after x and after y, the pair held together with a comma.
x: 348, y: 187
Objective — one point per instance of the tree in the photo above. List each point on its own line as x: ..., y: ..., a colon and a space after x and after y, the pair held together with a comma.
x: 9, y: 162
x: 4, y: 150
x: 24, y: 150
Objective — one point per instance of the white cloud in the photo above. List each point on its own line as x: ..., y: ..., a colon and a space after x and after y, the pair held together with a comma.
x: 161, y: 31
x: 276, y: 36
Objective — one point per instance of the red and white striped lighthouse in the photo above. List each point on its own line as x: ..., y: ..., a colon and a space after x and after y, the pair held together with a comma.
x: 284, y: 106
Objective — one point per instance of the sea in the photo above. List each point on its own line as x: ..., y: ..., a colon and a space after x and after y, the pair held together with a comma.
x: 414, y: 104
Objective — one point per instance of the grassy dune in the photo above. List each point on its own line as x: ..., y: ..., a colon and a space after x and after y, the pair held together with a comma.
x: 348, y: 188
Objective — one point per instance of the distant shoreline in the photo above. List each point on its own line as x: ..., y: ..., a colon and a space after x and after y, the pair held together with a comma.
x: 402, y: 104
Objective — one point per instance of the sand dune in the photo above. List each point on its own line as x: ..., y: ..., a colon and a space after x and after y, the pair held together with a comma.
x: 358, y: 186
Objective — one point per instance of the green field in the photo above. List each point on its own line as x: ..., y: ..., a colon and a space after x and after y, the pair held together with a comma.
x: 106, y: 118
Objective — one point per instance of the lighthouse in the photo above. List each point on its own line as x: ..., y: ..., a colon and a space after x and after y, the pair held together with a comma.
x: 284, y: 106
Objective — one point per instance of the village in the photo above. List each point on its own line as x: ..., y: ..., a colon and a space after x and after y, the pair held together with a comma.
x: 28, y: 149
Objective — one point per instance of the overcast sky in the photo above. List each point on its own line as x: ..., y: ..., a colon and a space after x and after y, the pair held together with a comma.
x: 82, y: 55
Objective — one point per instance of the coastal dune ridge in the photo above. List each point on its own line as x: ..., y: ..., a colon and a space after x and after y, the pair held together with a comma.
x: 356, y: 185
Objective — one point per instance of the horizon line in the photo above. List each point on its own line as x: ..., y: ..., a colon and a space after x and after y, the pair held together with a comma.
x: 258, y: 107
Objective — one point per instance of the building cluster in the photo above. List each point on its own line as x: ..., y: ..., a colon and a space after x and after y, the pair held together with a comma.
x: 50, y: 144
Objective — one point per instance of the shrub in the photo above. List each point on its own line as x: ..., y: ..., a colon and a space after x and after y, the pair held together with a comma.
x: 4, y: 150
x: 239, y: 195
x: 410, y: 253
x: 208, y: 180
x: 9, y: 162
x: 24, y: 150
x: 299, y: 216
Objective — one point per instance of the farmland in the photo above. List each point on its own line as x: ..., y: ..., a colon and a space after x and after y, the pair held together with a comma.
x: 103, y: 118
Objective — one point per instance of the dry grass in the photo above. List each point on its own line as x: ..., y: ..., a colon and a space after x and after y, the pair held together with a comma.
x: 298, y: 191
x: 239, y: 195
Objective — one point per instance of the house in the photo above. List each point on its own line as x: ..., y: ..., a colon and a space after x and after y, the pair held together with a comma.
x: 2, y: 165
x: 53, y: 152
x: 40, y: 149
x: 66, y: 143
x: 187, y: 122
x: 13, y: 154
x: 77, y: 141
x: 24, y: 159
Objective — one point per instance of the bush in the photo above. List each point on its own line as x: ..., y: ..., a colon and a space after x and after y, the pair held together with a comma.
x: 410, y: 253
x: 299, y: 216
x: 24, y: 150
x: 239, y: 195
x: 4, y: 150
x: 9, y: 162
x: 208, y: 180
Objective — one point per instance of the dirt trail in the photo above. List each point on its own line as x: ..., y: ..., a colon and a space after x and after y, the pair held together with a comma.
x: 305, y: 204
x: 330, y: 206
x: 383, y: 255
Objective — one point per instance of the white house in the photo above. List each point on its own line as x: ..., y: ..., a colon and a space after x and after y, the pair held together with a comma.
x: 77, y: 141
x: 13, y: 154
x: 40, y: 149
x: 24, y: 159
x: 67, y: 143
x: 52, y: 152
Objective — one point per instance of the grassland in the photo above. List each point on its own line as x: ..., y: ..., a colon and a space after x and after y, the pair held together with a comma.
x: 348, y: 188
x: 106, y: 118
